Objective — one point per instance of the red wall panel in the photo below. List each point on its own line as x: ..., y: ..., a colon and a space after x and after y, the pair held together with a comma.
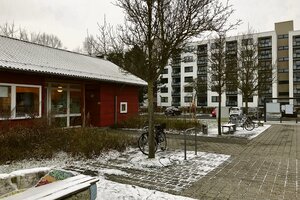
x: 123, y: 93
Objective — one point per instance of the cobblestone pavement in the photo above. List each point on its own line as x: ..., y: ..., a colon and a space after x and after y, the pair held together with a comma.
x: 265, y: 168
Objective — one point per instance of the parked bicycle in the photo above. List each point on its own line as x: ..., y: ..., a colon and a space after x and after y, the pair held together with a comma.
x: 160, y: 141
x: 242, y: 121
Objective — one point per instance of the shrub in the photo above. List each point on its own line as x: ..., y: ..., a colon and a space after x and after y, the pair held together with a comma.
x: 171, y: 123
x: 39, y: 140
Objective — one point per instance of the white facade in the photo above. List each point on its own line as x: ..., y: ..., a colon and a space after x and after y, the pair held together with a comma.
x: 211, y: 95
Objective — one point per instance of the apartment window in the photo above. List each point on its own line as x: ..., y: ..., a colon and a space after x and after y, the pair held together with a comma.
x: 284, y: 36
x: 188, y: 69
x: 188, y: 59
x: 188, y: 79
x: 297, y: 65
x: 283, y: 70
x: 248, y: 41
x: 123, y: 107
x: 283, y: 93
x: 188, y: 99
x: 215, y: 99
x: 189, y: 49
x: 188, y: 89
x: 164, y: 80
x: 164, y: 99
x: 164, y: 90
x: 281, y: 48
x: 165, y: 71
x: 283, y: 82
x: 282, y: 59
x: 19, y: 101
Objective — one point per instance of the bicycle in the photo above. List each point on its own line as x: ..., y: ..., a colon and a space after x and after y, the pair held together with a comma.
x: 242, y: 121
x: 160, y: 139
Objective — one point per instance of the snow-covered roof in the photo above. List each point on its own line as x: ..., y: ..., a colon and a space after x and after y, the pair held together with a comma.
x: 25, y: 56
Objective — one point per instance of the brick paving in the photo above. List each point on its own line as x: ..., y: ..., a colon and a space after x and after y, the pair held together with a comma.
x: 265, y: 168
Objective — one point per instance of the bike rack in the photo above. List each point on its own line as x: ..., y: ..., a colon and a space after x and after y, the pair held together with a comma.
x: 187, y: 130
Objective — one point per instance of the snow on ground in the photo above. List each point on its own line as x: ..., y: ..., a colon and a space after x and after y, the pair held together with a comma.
x: 108, y: 190
x: 240, y: 132
x: 132, y: 158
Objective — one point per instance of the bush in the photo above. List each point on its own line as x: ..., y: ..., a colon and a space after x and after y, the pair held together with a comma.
x: 39, y: 140
x: 171, y: 123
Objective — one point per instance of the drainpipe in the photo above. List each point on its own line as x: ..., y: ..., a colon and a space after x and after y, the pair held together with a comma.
x: 116, y: 110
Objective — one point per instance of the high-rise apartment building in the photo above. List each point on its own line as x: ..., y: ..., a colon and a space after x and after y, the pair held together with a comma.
x: 278, y: 50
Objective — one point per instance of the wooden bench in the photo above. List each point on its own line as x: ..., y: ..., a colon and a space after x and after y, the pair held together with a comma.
x: 59, y: 189
x: 231, y: 128
x: 289, y: 117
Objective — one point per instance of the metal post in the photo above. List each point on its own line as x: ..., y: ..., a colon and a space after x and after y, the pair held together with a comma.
x: 184, y: 145
x: 195, y: 141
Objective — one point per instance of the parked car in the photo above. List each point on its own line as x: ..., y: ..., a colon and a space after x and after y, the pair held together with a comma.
x: 172, y: 111
x: 214, y: 112
x: 236, y: 111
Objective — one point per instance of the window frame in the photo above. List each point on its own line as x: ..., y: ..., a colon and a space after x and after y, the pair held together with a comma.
x: 13, y: 100
x: 126, y: 107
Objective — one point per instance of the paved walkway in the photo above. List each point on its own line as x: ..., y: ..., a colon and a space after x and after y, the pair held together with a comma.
x: 268, y: 167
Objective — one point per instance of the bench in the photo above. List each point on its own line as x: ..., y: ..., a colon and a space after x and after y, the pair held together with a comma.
x: 289, y: 117
x: 231, y: 128
x: 75, y: 185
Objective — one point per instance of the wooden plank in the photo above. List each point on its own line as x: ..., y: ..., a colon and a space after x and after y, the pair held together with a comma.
x: 55, y: 187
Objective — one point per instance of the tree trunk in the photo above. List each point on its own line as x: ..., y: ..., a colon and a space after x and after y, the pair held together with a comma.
x: 219, y: 115
x: 151, y: 120
x: 246, y: 106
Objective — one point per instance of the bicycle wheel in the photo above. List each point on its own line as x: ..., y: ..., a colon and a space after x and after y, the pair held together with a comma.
x: 249, y: 126
x: 162, y: 142
x: 143, y: 144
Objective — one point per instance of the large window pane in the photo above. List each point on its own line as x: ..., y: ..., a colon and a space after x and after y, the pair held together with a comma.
x: 58, y: 102
x: 75, y: 121
x: 75, y: 101
x: 5, y: 101
x: 27, y: 101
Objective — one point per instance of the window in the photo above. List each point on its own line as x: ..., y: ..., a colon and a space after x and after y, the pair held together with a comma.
x: 123, y: 107
x: 283, y: 82
x: 248, y: 41
x: 188, y: 69
x: 283, y: 93
x: 215, y: 99
x: 188, y: 59
x: 188, y: 99
x: 188, y: 79
x: 164, y: 80
x: 282, y: 59
x: 281, y: 48
x: 284, y: 36
x: 164, y: 90
x: 188, y: 89
x: 165, y: 71
x: 19, y: 101
x: 283, y: 70
x: 164, y: 99
x: 5, y: 101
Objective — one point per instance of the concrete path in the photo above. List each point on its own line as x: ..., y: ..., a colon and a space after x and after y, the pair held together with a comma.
x: 268, y: 167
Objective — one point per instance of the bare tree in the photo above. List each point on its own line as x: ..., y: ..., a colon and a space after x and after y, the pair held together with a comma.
x: 160, y: 27
x: 254, y: 78
x: 218, y: 71
x: 10, y: 30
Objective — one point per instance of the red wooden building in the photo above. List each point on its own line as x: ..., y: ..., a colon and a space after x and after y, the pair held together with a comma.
x: 70, y: 88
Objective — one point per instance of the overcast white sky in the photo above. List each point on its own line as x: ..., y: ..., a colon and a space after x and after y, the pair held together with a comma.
x: 70, y: 19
